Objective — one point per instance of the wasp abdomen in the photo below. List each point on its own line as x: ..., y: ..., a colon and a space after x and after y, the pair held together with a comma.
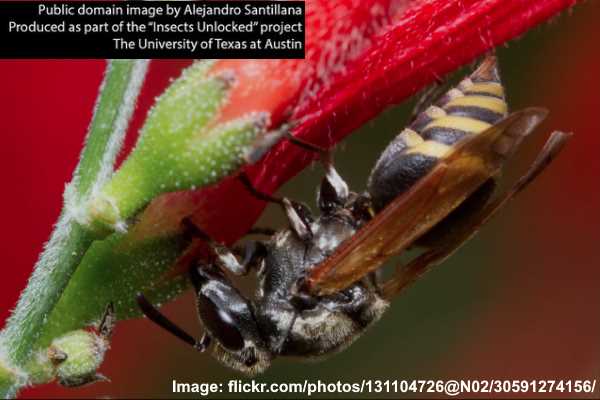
x: 387, y: 183
x: 476, y: 104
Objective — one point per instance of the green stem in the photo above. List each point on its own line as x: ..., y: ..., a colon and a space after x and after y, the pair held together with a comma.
x: 51, y: 275
x: 69, y: 240
x: 118, y: 94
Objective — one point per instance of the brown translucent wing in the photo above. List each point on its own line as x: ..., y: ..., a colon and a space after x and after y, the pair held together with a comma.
x: 433, y: 197
x: 419, y: 265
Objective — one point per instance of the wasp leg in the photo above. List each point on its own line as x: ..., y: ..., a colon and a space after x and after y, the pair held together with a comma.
x: 159, y: 319
x: 334, y: 189
x: 300, y: 300
x: 403, y: 277
x: 279, y: 336
x: 265, y: 142
x: 353, y: 302
x: 251, y: 254
x: 225, y: 258
x: 298, y: 215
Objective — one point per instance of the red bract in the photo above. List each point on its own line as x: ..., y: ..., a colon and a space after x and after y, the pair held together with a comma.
x: 362, y: 56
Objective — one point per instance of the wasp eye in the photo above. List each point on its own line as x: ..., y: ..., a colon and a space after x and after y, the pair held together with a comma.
x: 220, y: 324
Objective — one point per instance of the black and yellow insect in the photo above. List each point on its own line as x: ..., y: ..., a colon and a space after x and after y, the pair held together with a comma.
x: 318, y: 288
x: 432, y: 186
x: 473, y: 106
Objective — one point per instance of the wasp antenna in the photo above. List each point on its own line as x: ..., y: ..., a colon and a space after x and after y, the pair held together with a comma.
x: 159, y: 319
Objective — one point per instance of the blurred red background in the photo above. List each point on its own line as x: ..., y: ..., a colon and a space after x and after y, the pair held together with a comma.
x: 535, y: 312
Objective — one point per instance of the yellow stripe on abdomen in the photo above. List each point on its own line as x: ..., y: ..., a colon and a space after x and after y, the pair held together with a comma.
x: 485, y: 88
x: 465, y: 124
x: 410, y: 137
x: 430, y: 148
x: 493, y: 104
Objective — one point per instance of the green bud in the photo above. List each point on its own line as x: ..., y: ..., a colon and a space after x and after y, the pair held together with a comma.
x: 77, y: 356
x: 180, y: 148
x: 73, y: 359
x: 178, y: 114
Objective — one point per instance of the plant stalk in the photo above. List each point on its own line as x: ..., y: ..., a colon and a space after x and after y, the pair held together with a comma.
x: 70, y: 240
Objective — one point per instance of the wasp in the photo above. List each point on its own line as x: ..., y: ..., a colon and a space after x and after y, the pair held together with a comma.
x: 319, y: 282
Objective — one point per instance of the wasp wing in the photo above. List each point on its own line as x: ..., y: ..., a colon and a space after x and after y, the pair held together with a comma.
x: 419, y: 265
x: 473, y: 160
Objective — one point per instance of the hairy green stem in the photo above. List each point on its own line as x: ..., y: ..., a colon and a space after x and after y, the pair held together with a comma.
x: 69, y: 240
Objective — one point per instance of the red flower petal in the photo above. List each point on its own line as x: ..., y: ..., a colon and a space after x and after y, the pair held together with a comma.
x: 362, y: 56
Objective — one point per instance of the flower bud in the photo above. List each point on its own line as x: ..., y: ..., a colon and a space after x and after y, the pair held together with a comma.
x: 77, y: 357
x: 74, y: 358
x: 180, y: 147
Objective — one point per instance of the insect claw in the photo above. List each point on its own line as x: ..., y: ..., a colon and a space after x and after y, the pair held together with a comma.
x: 266, y: 141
